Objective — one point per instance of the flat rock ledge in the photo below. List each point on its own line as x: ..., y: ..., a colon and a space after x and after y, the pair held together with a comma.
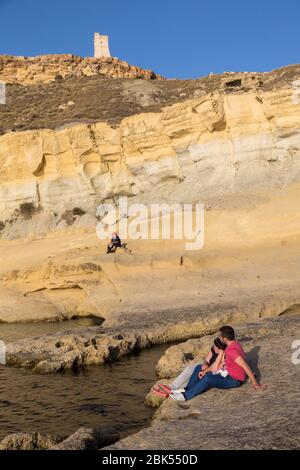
x: 232, y: 419
x: 97, y: 345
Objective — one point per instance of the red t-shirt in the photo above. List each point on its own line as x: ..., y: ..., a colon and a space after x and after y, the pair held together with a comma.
x: 233, y: 351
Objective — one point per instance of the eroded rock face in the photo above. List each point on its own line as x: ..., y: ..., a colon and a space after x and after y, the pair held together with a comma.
x: 29, y: 441
x: 98, y: 345
x: 45, y: 68
x: 239, y: 418
x: 217, y: 144
x: 53, y: 353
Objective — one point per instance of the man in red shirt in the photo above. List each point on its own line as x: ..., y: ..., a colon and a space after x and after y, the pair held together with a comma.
x: 235, y: 363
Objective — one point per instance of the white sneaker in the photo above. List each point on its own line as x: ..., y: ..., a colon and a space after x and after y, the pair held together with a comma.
x: 178, y: 397
x: 178, y: 390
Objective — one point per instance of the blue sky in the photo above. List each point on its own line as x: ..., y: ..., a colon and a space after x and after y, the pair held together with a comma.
x: 184, y: 39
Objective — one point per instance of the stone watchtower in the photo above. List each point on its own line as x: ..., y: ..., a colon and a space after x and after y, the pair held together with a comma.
x: 101, y: 48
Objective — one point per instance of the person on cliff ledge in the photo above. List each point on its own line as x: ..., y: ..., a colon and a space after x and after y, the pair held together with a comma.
x: 115, y: 243
x: 203, y: 379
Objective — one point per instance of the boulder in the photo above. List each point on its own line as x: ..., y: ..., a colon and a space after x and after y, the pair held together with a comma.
x: 29, y: 441
x: 87, y: 439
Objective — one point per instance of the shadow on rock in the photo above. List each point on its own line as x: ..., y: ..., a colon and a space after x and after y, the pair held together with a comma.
x: 252, y: 358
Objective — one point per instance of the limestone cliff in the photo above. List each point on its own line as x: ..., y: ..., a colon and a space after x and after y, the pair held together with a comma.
x: 206, y: 148
x: 231, y: 142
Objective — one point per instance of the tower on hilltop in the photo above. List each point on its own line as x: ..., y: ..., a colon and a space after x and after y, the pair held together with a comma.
x: 101, y: 48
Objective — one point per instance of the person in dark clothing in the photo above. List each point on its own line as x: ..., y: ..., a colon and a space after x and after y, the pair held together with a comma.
x: 114, y: 243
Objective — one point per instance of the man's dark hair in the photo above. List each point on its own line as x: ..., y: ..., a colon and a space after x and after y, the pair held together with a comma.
x: 227, y: 332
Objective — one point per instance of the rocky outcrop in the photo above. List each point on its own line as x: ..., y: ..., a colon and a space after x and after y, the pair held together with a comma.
x: 29, y: 441
x: 99, y: 345
x: 87, y: 439
x: 239, y: 418
x: 53, y: 353
x: 45, y: 68
x: 82, y: 439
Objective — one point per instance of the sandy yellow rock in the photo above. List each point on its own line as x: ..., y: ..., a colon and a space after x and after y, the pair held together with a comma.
x: 46, y: 68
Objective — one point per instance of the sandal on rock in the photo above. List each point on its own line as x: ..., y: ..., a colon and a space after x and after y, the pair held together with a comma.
x: 158, y: 391
x: 164, y: 388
